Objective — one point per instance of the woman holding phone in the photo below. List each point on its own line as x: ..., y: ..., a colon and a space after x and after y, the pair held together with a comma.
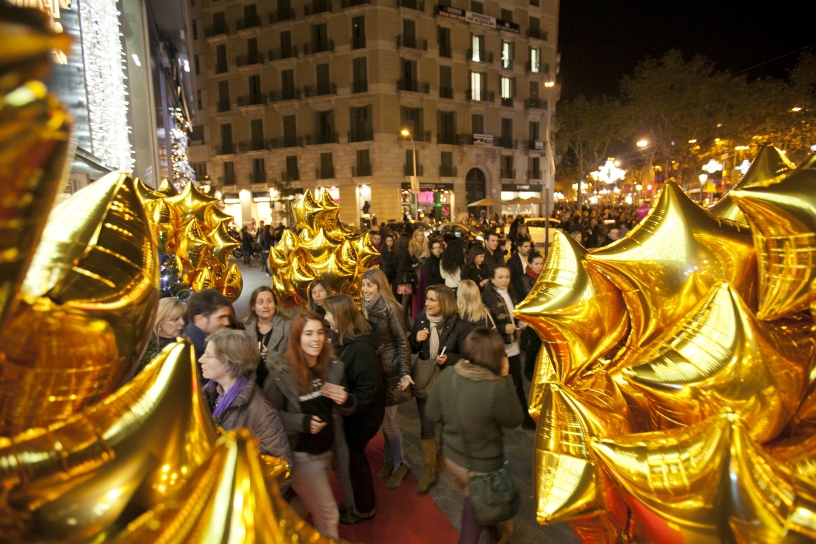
x: 268, y: 325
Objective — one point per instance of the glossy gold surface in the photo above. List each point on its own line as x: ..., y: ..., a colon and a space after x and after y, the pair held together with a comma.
x: 574, y: 309
x: 709, y: 482
x: 323, y: 249
x: 227, y: 500
x: 653, y: 262
x: 26, y: 41
x: 782, y: 213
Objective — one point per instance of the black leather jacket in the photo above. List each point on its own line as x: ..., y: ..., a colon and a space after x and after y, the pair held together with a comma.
x: 451, y: 337
x: 394, y: 354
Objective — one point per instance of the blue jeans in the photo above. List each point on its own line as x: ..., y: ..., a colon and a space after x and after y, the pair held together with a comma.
x: 394, y: 451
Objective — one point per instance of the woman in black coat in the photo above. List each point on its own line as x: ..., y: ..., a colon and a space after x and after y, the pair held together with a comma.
x: 475, y: 270
x: 433, y: 274
x: 406, y: 276
x: 388, y: 258
x: 437, y: 334
x: 356, y: 343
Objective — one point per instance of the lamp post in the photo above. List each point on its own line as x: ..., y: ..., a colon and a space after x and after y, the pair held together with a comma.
x: 549, y: 85
x: 414, y: 183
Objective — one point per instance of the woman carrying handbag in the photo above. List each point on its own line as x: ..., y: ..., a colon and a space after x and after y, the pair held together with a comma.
x: 473, y: 402
x: 437, y: 338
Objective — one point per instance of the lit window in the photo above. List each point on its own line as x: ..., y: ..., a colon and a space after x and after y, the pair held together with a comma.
x: 535, y: 60
x: 506, y: 87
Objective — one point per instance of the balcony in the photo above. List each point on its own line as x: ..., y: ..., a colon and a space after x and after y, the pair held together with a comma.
x: 508, y: 102
x: 359, y: 86
x: 409, y: 170
x: 216, y: 30
x: 445, y: 92
x: 507, y: 143
x: 281, y: 15
x: 480, y: 96
x: 317, y: 6
x: 419, y: 136
x: 446, y: 51
x: 413, y: 86
x: 225, y: 149
x: 362, y: 135
x: 221, y: 67
x: 412, y: 42
x: 223, y: 105
x: 352, y: 3
x: 358, y: 42
x: 320, y: 138
x: 290, y: 175
x: 537, y: 33
x: 447, y: 171
x: 324, y: 172
x: 479, y: 55
x: 253, y: 145
x: 532, y: 145
x: 319, y: 90
x: 247, y: 23
x: 508, y: 174
x: 418, y: 5
x: 534, y: 174
x: 252, y: 100
x: 257, y: 177
x: 283, y: 53
x: 535, y: 103
x: 286, y: 94
x: 286, y: 141
x: 319, y: 47
x: 248, y: 60
x: 361, y: 170
x: 447, y: 138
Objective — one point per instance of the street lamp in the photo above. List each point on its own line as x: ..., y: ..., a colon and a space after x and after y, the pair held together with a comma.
x: 549, y: 85
x: 414, y: 183
x: 642, y: 143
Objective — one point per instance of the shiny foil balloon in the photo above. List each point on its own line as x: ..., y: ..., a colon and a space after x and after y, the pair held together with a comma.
x: 232, y: 284
x: 769, y: 163
x: 782, y: 214
x: 73, y: 480
x: 719, y: 355
x: 653, y: 262
x: 574, y: 309
x: 87, y: 307
x: 227, y: 500
x: 709, y: 483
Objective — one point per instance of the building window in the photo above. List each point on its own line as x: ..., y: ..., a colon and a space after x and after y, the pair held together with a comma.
x: 359, y: 70
x: 324, y: 127
x: 445, y: 82
x: 195, y: 29
x: 320, y: 38
x: 252, y: 51
x: 323, y: 80
x: 446, y: 168
x: 254, y: 84
x: 477, y: 52
x: 197, y: 135
x: 229, y: 173
x: 197, y: 65
x: 535, y: 3
x: 409, y: 163
x: 256, y: 128
x: 219, y: 23
x: 535, y: 131
x: 507, y: 171
x: 223, y: 96
x: 358, y: 38
x: 200, y: 169
x: 443, y: 38
x: 508, y: 88
x: 507, y: 15
x: 258, y: 171
x: 508, y: 51
x: 412, y: 120
x: 289, y: 130
x: 477, y: 123
x: 535, y: 60
x: 287, y: 84
x: 535, y: 168
x: 363, y: 167
x: 226, y: 139
x: 291, y: 173
x: 361, y: 130
x: 220, y: 58
x: 286, y: 44
x: 476, y: 7
x: 326, y: 167
x: 446, y: 124
x: 199, y: 100
x: 478, y: 86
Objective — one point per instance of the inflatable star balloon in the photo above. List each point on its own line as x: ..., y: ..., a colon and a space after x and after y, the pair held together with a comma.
x: 782, y: 214
x: 324, y: 249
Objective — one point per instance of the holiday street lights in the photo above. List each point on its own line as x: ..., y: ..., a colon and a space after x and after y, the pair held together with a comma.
x: 549, y: 85
x: 414, y: 182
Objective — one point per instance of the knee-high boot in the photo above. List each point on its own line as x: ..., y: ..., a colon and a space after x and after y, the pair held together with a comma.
x: 429, y: 460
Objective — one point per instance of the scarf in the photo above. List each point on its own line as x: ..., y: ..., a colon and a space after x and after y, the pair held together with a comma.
x: 225, y: 402
x: 433, y: 335
x: 532, y: 274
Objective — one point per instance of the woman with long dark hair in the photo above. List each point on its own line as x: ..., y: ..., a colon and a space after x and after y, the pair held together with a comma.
x: 307, y: 387
x: 356, y: 342
x: 268, y: 324
x: 438, y: 334
x: 388, y: 258
x: 475, y: 269
x: 407, y: 278
x: 452, y: 263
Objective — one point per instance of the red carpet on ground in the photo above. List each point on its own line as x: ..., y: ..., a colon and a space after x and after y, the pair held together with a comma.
x: 403, y: 516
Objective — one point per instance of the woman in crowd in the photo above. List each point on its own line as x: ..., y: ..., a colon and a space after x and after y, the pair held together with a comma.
x: 474, y: 402
x: 500, y: 300
x: 356, y: 343
x: 268, y: 325
x: 246, y: 244
x: 394, y: 355
x: 388, y: 258
x: 470, y: 305
x: 168, y: 326
x: 452, y: 263
x: 433, y: 274
x: 512, y: 233
x: 475, y: 270
x: 319, y: 291
x: 407, y: 278
x: 267, y: 241
x: 577, y: 236
x: 420, y: 251
x: 530, y: 342
x: 438, y: 334
x: 235, y: 400
x: 306, y: 386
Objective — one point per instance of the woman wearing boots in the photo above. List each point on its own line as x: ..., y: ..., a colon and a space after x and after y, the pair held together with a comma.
x: 394, y: 355
x: 438, y: 334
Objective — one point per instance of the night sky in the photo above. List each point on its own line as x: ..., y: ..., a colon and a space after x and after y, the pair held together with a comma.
x: 602, y: 41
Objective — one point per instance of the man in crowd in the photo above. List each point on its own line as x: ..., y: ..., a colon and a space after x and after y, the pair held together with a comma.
x: 207, y: 312
x: 518, y: 263
x: 493, y: 254
x: 376, y: 240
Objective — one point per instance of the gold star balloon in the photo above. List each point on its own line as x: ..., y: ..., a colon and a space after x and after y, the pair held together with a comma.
x: 653, y: 262
x: 574, y: 309
x: 221, y: 244
x: 166, y: 188
x: 782, y: 214
x: 769, y: 163
x: 306, y: 210
x: 191, y: 203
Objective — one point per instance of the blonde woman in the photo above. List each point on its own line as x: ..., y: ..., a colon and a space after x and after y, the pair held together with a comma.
x: 168, y: 326
x: 470, y: 305
x: 419, y: 251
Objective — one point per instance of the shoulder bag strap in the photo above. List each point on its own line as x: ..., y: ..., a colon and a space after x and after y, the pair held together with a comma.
x: 459, y: 421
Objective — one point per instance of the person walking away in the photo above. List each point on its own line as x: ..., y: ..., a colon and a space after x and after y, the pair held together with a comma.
x: 452, y: 264
x: 306, y: 385
x: 500, y: 299
x: 234, y: 399
x: 474, y: 401
x: 246, y: 244
x: 394, y: 356
x: 437, y: 335
x: 356, y: 340
x: 268, y: 325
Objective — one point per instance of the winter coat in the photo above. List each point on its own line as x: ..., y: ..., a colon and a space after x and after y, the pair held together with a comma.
x: 476, y: 275
x: 388, y: 264
x: 405, y: 265
x: 502, y: 315
x: 279, y: 339
x: 246, y: 241
x: 252, y: 410
x: 527, y: 283
x: 154, y: 347
x: 485, y: 402
x: 394, y: 354
x: 451, y: 337
x: 433, y: 271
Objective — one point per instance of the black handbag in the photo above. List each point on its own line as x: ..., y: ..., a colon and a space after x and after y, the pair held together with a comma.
x: 409, y: 278
x: 493, y: 495
x: 393, y: 394
x: 423, y: 372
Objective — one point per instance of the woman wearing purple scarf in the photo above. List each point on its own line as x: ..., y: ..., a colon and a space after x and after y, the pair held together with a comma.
x: 236, y: 402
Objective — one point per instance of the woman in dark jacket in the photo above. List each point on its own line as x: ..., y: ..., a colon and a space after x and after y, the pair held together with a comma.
x: 475, y: 270
x: 432, y: 265
x: 234, y: 399
x: 482, y: 402
x: 394, y: 357
x: 307, y: 387
x: 501, y: 300
x: 407, y: 278
x: 246, y: 244
x: 267, y: 324
x: 438, y: 334
x: 388, y: 258
x: 356, y: 342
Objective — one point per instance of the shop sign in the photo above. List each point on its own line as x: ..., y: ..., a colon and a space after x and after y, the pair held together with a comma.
x: 429, y: 186
x: 484, y: 140
x: 453, y: 13
x: 507, y: 26
x: 232, y: 198
x: 261, y: 196
x: 539, y: 144
x: 532, y: 187
x: 478, y: 19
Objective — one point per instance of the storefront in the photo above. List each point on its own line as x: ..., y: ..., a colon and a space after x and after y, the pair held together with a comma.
x: 365, y: 211
x: 515, y: 192
x: 232, y: 206
x: 435, y: 200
